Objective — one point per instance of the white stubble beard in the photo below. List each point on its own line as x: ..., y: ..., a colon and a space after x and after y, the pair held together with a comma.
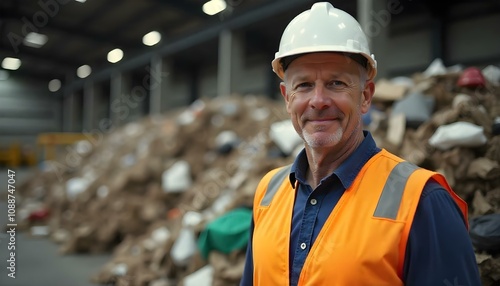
x: 315, y: 142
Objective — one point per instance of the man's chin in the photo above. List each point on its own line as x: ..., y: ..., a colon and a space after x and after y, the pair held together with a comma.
x: 321, y: 140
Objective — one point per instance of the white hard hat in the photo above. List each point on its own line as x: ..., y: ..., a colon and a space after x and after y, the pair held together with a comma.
x: 324, y: 29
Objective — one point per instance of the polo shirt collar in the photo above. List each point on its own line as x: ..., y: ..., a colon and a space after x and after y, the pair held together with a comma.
x: 346, y: 172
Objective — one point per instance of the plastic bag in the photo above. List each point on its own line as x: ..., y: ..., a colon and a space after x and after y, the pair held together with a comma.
x: 177, y: 178
x: 485, y: 232
x: 458, y: 134
x: 416, y: 107
x: 284, y: 135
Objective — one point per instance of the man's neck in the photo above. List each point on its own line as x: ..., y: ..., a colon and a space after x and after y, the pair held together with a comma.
x: 323, y: 161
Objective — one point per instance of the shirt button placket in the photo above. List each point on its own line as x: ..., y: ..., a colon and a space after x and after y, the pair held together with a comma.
x: 303, y: 246
x: 313, y: 202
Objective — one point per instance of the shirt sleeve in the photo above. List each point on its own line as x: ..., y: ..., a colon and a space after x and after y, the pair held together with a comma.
x: 247, y: 279
x: 439, y: 249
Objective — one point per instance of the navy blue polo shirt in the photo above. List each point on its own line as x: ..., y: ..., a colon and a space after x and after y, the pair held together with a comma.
x: 439, y: 250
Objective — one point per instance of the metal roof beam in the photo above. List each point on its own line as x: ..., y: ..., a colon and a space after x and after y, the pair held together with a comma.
x: 78, y: 33
x: 134, y: 20
x: 257, y: 14
x: 65, y: 64
x: 185, y: 7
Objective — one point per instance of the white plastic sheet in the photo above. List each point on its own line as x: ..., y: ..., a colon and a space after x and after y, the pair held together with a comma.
x: 226, y: 137
x: 185, y: 245
x: 492, y: 74
x: 177, y: 178
x: 458, y: 134
x: 435, y: 68
x: 284, y: 135
x: 76, y: 186
x: 202, y: 277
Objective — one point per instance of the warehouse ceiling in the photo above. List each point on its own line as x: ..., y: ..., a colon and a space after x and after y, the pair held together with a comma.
x: 80, y: 32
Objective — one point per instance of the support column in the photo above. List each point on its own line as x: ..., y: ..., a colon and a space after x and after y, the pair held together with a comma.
x: 160, y: 85
x: 68, y: 110
x: 272, y: 84
x: 375, y: 17
x: 58, y: 109
x: 88, y: 105
x: 194, y: 83
x: 224, y: 65
x: 67, y: 106
x: 364, y: 18
x: 231, y: 63
x: 238, y: 83
x: 119, y: 99
x: 438, y: 31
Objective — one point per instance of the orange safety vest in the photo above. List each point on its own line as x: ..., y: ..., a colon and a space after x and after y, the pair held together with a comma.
x: 363, y: 241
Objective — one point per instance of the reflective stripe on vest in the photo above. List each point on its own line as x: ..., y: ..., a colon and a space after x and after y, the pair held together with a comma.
x: 389, y: 201
x: 274, y: 185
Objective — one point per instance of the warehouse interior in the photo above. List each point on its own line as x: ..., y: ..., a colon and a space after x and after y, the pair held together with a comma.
x: 122, y: 91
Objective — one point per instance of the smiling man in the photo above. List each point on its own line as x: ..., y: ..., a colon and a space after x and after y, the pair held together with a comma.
x: 347, y: 212
x: 326, y: 95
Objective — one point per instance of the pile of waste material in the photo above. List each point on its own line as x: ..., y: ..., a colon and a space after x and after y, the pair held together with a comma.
x: 171, y: 195
x: 131, y: 190
x: 450, y: 122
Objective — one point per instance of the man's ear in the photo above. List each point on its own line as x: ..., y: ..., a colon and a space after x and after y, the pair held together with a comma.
x: 285, y: 96
x: 367, y: 96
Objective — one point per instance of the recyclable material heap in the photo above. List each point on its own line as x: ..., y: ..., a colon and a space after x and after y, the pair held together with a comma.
x: 449, y: 121
x: 150, y: 191
x: 131, y: 190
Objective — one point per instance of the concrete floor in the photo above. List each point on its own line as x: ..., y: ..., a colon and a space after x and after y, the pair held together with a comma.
x: 37, y: 260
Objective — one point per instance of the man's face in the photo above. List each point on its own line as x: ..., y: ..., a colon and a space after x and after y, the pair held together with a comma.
x: 326, y: 98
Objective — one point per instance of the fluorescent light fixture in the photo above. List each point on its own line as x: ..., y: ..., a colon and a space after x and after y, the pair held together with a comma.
x: 213, y: 7
x: 4, y: 75
x: 115, y: 56
x: 11, y: 63
x: 152, y: 38
x: 81, y: 1
x: 84, y: 71
x: 54, y: 85
x: 35, y: 40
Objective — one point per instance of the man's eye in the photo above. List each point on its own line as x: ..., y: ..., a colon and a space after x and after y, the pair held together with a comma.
x: 337, y: 83
x: 303, y: 85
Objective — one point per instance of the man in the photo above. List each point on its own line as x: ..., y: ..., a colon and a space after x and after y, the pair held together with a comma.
x: 346, y: 212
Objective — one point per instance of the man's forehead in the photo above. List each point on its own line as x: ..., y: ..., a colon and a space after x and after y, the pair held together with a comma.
x: 340, y: 61
x: 320, y: 58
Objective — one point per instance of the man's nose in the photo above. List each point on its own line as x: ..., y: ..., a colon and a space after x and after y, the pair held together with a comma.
x: 320, y: 98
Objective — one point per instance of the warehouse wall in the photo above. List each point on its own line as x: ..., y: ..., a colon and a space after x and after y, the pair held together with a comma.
x: 208, y: 82
x: 101, y: 105
x: 475, y: 39
x: 470, y: 41
x: 179, y: 95
x: 252, y: 78
x: 26, y: 109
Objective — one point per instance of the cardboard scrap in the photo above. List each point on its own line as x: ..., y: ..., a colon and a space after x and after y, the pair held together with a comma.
x: 387, y: 91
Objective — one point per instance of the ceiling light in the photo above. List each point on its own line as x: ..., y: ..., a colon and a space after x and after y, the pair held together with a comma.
x: 35, y: 40
x: 213, y: 7
x: 152, y: 38
x: 11, y: 63
x: 54, y: 85
x: 83, y: 71
x: 4, y: 75
x: 115, y: 56
x: 81, y: 1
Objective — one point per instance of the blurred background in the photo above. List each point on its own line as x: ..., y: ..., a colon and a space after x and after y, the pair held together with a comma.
x: 138, y: 130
